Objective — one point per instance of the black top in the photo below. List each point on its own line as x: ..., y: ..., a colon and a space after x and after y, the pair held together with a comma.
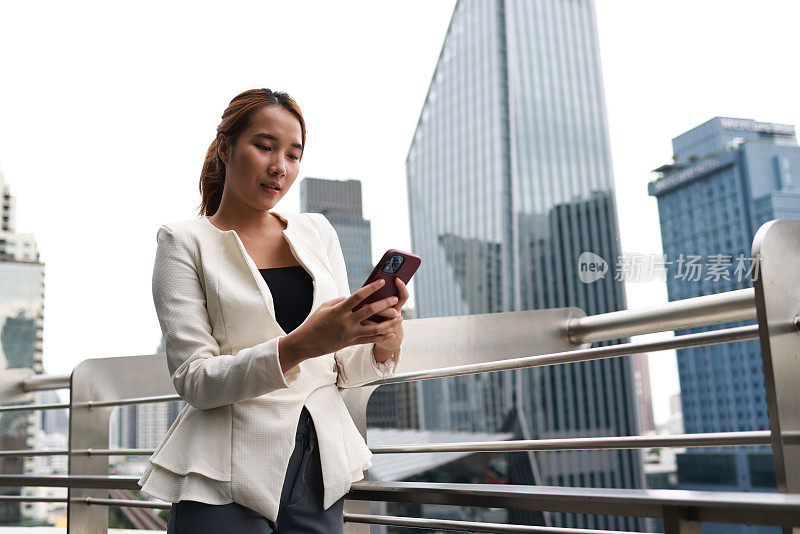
x: 292, y: 291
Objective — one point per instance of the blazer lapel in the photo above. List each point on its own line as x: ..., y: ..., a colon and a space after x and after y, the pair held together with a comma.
x: 300, y: 251
x: 298, y: 240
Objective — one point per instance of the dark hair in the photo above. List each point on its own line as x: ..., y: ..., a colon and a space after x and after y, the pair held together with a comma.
x: 235, y: 120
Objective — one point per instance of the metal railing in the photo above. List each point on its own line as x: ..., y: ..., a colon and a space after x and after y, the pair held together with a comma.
x: 506, y: 341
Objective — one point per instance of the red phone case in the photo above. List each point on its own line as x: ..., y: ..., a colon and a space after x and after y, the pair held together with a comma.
x: 394, y: 264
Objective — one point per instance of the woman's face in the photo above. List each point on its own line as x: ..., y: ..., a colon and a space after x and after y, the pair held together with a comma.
x: 266, y: 153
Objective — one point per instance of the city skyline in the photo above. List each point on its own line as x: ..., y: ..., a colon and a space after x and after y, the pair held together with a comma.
x: 105, y: 194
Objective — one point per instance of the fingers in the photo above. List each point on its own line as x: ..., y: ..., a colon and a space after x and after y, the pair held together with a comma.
x: 379, y: 329
x: 384, y: 313
x: 375, y: 308
x: 391, y: 312
x: 351, y: 301
x: 402, y: 291
x: 395, y: 331
x: 376, y: 339
x: 332, y: 302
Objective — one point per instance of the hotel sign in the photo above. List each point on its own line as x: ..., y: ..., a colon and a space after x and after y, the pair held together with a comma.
x: 758, y: 127
x: 679, y: 178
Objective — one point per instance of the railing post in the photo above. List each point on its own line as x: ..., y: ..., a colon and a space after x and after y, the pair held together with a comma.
x: 776, y: 248
x: 679, y: 520
x: 103, y: 379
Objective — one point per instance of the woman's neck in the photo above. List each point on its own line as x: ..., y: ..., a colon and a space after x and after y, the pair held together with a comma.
x: 256, y: 224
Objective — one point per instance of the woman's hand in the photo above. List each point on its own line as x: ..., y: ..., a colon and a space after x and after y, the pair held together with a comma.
x: 392, y: 345
x: 334, y: 326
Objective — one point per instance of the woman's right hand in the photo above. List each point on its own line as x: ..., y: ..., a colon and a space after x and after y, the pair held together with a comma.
x: 334, y: 326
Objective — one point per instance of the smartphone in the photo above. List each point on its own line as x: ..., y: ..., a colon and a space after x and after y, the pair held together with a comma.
x: 394, y: 264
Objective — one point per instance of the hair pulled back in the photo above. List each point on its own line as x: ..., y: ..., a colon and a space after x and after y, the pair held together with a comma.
x: 235, y: 120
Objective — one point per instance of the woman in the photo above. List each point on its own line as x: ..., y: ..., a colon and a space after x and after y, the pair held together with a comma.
x: 259, y: 330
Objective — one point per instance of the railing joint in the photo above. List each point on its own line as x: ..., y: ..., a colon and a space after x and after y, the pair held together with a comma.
x: 571, y: 324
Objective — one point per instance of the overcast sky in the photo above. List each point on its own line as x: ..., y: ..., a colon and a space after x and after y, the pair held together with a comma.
x: 107, y: 109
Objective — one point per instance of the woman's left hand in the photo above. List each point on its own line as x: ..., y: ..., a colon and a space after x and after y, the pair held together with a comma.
x: 391, y: 312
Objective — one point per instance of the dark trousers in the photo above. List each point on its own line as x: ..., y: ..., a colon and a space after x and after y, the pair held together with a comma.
x: 300, y: 508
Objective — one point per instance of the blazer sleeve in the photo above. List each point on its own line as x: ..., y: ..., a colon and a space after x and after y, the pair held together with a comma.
x: 355, y: 364
x: 201, y: 375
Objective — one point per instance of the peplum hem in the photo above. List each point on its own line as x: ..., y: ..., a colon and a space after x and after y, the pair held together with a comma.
x: 359, y: 457
x: 171, y: 487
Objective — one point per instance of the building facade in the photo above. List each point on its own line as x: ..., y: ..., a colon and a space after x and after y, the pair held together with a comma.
x: 13, y: 246
x: 340, y: 202
x: 21, y: 327
x: 728, y: 177
x: 509, y: 183
x: 644, y: 395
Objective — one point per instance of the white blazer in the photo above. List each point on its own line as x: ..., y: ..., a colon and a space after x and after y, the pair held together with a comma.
x: 233, y: 440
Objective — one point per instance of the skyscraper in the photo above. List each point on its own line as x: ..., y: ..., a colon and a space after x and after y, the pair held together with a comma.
x: 13, y: 245
x: 728, y: 177
x: 644, y: 398
x: 340, y: 202
x: 21, y: 320
x: 510, y: 181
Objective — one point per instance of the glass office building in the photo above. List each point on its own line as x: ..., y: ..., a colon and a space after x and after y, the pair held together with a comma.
x: 728, y: 177
x: 509, y: 182
x: 21, y: 315
x: 21, y: 320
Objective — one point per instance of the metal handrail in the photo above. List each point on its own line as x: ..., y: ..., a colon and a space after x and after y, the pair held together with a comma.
x: 739, y: 507
x: 727, y: 307
x: 720, y: 439
x: 130, y: 503
x: 32, y: 452
x: 715, y: 439
x: 77, y: 452
x: 28, y: 407
x: 71, y: 481
x: 25, y: 498
x: 714, y: 506
x: 470, y: 526
x: 133, y: 400
x: 45, y: 382
x: 706, y: 310
x: 727, y: 335
x: 112, y: 452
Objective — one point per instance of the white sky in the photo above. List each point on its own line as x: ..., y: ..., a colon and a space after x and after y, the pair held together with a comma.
x: 106, y: 111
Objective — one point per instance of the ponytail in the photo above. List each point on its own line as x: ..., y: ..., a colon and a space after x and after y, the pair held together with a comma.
x: 212, y: 180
